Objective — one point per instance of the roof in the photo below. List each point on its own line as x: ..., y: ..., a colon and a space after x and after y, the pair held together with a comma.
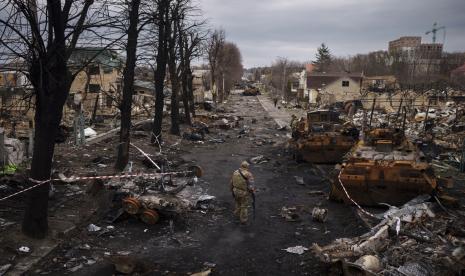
x: 16, y: 64
x: 459, y: 70
x: 198, y: 73
x: 309, y: 67
x: 109, y: 58
x: 148, y: 85
x: 318, y: 80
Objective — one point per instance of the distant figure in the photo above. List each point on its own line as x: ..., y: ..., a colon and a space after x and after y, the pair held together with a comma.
x: 79, y: 123
x: 275, y: 100
x: 242, y: 190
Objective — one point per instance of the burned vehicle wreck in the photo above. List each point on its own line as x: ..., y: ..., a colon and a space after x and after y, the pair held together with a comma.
x: 251, y: 91
x: 167, y: 194
x: 385, y: 167
x: 322, y: 137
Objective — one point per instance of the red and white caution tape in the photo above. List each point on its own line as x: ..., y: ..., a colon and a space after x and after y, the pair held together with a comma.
x: 39, y: 183
x: 103, y: 177
x: 353, y: 201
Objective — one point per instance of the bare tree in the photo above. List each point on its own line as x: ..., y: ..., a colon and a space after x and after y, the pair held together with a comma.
x: 173, y: 47
x: 191, y: 48
x: 41, y: 37
x: 230, y: 69
x: 133, y: 15
x: 281, y: 69
x: 183, y: 46
x: 214, y: 47
x: 163, y: 27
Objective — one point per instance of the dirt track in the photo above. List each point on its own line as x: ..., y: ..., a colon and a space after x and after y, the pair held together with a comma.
x: 213, y: 238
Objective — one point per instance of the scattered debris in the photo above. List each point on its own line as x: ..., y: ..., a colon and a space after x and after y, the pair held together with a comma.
x: 24, y: 249
x: 5, y: 223
x: 203, y: 273
x: 15, y: 151
x: 296, y: 250
x: 405, y: 237
x: 316, y: 193
x: 299, y: 180
x: 259, y: 159
x: 93, y: 228
x: 89, y: 132
x: 4, y: 269
x: 290, y: 214
x: 319, y: 214
x: 76, y: 268
x: 370, y: 263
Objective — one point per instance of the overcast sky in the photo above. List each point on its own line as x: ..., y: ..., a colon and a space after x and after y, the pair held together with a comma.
x: 265, y: 29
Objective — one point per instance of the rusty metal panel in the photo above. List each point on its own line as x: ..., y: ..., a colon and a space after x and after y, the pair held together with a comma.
x: 372, y: 175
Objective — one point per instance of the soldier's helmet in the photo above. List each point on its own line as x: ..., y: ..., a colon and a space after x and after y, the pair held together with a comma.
x: 244, y: 165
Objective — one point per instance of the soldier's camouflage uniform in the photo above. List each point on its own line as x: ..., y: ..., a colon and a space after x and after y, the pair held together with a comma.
x: 241, y: 193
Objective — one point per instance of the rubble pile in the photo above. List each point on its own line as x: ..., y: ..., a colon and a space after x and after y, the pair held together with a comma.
x: 203, y: 123
x: 418, y: 238
x: 444, y: 128
x: 166, y: 195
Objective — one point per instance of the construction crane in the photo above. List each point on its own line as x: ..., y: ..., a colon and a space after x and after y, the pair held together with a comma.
x: 435, y: 30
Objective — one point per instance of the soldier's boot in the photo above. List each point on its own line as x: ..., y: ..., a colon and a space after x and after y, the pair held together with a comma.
x: 237, y: 209
x: 243, y: 217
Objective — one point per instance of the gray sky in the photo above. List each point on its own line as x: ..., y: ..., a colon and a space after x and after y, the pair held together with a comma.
x: 265, y: 29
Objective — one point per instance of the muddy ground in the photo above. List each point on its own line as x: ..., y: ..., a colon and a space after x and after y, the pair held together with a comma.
x: 211, y: 237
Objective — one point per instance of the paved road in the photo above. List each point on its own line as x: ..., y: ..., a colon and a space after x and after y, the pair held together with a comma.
x: 281, y: 116
x: 213, y: 237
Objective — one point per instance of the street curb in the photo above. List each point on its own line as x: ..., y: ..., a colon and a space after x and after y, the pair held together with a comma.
x: 278, y: 121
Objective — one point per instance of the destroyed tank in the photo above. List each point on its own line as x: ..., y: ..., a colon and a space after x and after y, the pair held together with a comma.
x: 251, y: 91
x: 148, y: 198
x: 322, y: 137
x: 384, y: 167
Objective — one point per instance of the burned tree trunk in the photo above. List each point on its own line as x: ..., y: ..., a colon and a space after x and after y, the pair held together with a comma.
x: 94, y: 111
x: 184, y: 77
x: 173, y: 70
x: 190, y: 89
x: 160, y: 72
x: 128, y: 86
x: 44, y: 47
x: 174, y: 98
x: 185, y: 97
x: 54, y: 81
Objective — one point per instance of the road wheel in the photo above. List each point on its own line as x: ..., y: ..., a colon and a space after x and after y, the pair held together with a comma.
x: 131, y: 205
x: 149, y: 216
x: 196, y: 170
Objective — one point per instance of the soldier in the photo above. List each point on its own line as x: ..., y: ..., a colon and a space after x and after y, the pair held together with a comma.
x: 242, y: 189
x: 275, y: 101
x: 79, y: 124
x: 294, y: 122
x: 293, y: 125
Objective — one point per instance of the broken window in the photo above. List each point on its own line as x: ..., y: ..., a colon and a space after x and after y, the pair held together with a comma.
x: 345, y: 83
x: 94, y: 70
x: 94, y: 88
x: 109, y: 101
x: 107, y: 70
x: 433, y: 101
